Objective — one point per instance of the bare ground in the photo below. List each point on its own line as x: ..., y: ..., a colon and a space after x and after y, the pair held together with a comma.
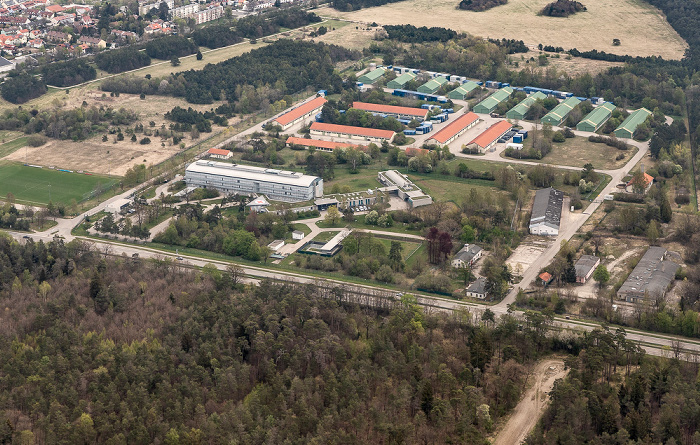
x: 533, y: 403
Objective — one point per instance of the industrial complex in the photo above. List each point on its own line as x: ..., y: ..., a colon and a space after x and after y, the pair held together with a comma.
x: 650, y: 278
x: 629, y: 125
x: 546, y: 212
x: 346, y: 131
x: 298, y: 114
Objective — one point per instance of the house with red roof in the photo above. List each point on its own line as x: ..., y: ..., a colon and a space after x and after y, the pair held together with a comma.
x: 647, y: 179
x: 347, y: 131
x: 298, y: 114
x: 218, y: 153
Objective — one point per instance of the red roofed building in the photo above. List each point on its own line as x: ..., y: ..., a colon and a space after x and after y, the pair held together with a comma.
x: 303, y: 111
x: 321, y: 145
x: 545, y: 277
x: 489, y: 137
x: 219, y: 153
x: 648, y: 181
x: 392, y: 110
x: 366, y: 134
x: 411, y: 151
x: 55, y: 8
x: 454, y: 129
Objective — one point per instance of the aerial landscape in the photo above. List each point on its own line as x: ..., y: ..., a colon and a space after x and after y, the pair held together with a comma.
x: 350, y: 222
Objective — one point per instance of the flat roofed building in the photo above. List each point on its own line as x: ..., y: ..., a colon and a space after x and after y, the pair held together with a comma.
x: 398, y: 183
x: 393, y: 110
x: 629, y: 125
x: 650, y: 278
x: 371, y: 77
x: 489, y: 104
x: 244, y: 179
x: 318, y: 144
x: 585, y: 267
x: 559, y: 113
x: 454, y: 129
x: 490, y: 136
x: 519, y: 111
x: 400, y: 81
x: 365, y: 134
x: 596, y: 118
x: 463, y: 91
x: 431, y: 86
x: 303, y: 111
x: 546, y: 212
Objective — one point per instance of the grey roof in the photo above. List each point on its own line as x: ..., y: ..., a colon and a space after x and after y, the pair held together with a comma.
x: 297, y: 232
x: 252, y: 173
x: 467, y: 253
x: 584, y: 264
x: 4, y: 62
x: 479, y: 286
x: 652, y: 275
x: 547, y: 207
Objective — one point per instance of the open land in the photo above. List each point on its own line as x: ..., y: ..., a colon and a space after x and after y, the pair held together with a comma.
x: 642, y: 29
x: 573, y: 66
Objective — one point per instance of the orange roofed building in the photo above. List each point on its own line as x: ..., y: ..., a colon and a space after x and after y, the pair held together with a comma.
x: 393, y: 110
x: 454, y: 129
x: 346, y: 131
x: 322, y: 145
x: 303, y: 111
x: 218, y: 153
x: 489, y: 137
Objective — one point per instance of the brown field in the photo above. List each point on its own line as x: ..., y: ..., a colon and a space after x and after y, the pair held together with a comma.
x: 348, y: 35
x: 641, y: 28
x: 573, y: 66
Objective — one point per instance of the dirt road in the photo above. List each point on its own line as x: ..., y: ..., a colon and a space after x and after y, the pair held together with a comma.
x: 530, y: 408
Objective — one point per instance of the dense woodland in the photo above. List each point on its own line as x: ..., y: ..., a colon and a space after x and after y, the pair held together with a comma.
x: 412, y: 34
x: 119, y: 351
x: 353, y: 5
x: 65, y: 74
x: 480, y: 5
x: 122, y: 59
x: 21, y: 88
x: 562, y: 8
x: 167, y: 47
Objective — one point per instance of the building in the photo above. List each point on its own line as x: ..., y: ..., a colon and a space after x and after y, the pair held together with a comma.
x: 650, y: 278
x: 393, y: 110
x: 117, y: 205
x: 297, y: 235
x: 432, y: 86
x: 327, y: 146
x: 490, y: 136
x: 399, y: 184
x: 454, y: 129
x: 93, y: 42
x: 258, y: 205
x: 629, y: 125
x: 596, y: 118
x: 467, y: 256
x: 145, y: 8
x: 489, y: 104
x: 519, y: 111
x: 557, y: 116
x: 218, y: 153
x: 400, y: 81
x: 585, y: 267
x: 371, y: 77
x: 298, y: 114
x: 209, y: 14
x: 545, y: 278
x: 346, y: 131
x: 546, y: 212
x: 276, y: 245
x: 247, y: 180
x: 648, y: 181
x: 463, y: 91
x: 477, y: 289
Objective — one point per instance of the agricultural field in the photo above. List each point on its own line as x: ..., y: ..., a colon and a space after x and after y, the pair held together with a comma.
x: 35, y: 185
x: 642, y: 29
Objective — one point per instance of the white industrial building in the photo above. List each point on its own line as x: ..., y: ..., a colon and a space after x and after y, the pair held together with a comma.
x: 546, y: 212
x: 276, y: 184
x: 396, y: 182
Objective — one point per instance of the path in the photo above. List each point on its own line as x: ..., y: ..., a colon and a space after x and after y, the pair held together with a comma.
x: 532, y: 405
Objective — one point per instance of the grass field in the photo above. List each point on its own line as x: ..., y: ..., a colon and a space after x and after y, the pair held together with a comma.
x: 641, y: 28
x: 10, y: 147
x: 34, y: 185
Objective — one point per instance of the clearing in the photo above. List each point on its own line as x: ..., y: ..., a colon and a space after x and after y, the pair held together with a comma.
x: 642, y: 29
x: 533, y: 403
x: 578, y: 151
x: 573, y: 66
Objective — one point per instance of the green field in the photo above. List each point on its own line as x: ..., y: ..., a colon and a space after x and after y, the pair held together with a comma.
x: 34, y: 185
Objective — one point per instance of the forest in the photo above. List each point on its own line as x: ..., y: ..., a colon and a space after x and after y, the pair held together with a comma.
x: 412, y: 34
x: 21, y: 88
x: 562, y: 8
x: 66, y: 74
x: 167, y: 47
x: 480, y: 5
x: 353, y: 5
x: 122, y: 59
x: 181, y: 356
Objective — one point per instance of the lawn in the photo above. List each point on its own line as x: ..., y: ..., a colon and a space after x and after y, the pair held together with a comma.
x: 324, y: 237
x: 40, y: 185
x: 10, y: 147
x: 408, y: 247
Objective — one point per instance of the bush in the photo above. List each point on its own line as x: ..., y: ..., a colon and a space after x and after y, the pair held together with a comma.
x: 36, y: 140
x: 145, y: 141
x: 558, y: 137
x: 385, y: 274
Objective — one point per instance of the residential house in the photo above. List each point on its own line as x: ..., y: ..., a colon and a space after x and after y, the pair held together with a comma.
x: 477, y: 289
x: 467, y: 256
x: 648, y: 182
x: 92, y: 42
x: 58, y: 36
x: 218, y: 153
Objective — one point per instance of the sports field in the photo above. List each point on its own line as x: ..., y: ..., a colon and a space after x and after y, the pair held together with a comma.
x: 34, y: 185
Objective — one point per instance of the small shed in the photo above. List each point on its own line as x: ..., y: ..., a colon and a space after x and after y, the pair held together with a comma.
x: 276, y: 245
x: 297, y: 235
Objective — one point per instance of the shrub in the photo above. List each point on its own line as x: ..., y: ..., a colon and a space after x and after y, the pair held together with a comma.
x: 36, y: 140
x: 145, y: 141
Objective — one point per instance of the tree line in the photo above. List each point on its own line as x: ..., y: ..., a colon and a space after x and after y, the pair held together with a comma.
x: 122, y: 59
x: 167, y: 47
x: 69, y: 73
x: 412, y: 34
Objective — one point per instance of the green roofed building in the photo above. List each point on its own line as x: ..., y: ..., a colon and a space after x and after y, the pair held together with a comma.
x: 463, y: 91
x: 371, y: 76
x: 400, y: 81
x: 596, y: 118
x: 489, y: 104
x: 627, y: 127
x: 519, y: 111
x: 431, y: 86
x: 559, y: 113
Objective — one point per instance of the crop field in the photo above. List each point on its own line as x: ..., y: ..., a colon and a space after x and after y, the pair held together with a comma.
x: 35, y: 185
x: 642, y: 29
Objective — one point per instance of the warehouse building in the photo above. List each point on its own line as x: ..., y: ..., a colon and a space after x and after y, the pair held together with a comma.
x: 463, y: 91
x: 346, y: 131
x: 546, y: 212
x: 627, y: 127
x: 585, y: 266
x: 454, y: 129
x: 298, y: 114
x: 400, y: 81
x: 650, y: 278
x: 247, y: 180
x: 431, y: 86
x: 596, y: 118
x: 328, y: 146
x: 489, y: 104
x: 393, y: 110
x: 490, y: 136
x: 399, y: 184
x: 519, y: 111
x: 559, y: 113
x: 371, y: 77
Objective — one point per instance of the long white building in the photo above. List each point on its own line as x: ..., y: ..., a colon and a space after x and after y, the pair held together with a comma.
x: 244, y: 179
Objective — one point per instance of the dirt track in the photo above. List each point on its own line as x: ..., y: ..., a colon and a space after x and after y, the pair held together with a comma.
x: 530, y: 408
